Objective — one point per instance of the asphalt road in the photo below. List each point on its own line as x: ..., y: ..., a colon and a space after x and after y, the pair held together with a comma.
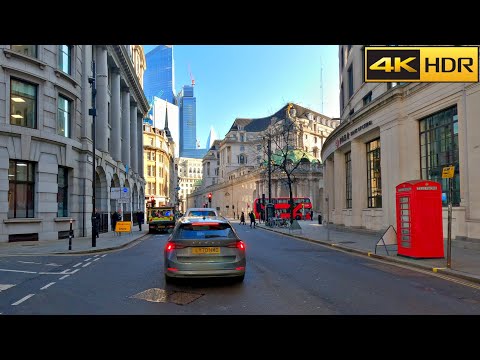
x: 285, y: 276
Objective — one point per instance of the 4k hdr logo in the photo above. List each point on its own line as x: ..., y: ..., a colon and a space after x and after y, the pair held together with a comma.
x: 421, y: 64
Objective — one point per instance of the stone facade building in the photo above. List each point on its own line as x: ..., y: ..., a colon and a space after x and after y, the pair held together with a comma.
x: 46, y: 162
x: 394, y: 132
x: 232, y: 167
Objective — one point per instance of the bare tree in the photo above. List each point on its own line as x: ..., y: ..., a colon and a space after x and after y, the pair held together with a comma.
x: 287, y: 154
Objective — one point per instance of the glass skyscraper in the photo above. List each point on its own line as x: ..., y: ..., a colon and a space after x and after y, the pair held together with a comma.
x: 187, y: 104
x: 159, y: 79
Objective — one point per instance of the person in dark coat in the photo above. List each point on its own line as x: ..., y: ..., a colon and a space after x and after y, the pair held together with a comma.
x: 113, y: 220
x: 252, y: 219
x: 242, y: 219
x: 97, y: 223
x: 140, y: 220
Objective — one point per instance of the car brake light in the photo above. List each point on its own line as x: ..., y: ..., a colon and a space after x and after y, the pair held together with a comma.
x: 239, y: 244
x: 170, y: 245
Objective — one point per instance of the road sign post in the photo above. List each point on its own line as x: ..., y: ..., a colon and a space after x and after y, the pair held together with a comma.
x: 448, y: 173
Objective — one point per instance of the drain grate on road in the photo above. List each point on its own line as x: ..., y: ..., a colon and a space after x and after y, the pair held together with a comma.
x: 164, y: 296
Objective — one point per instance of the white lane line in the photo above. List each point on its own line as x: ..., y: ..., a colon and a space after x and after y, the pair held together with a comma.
x: 29, y: 262
x: 85, y: 265
x: 96, y: 255
x: 47, y: 286
x: 74, y: 271
x: 51, y: 273
x: 65, y: 271
x: 23, y: 299
x: 53, y: 264
x: 20, y: 271
x: 104, y: 255
x: 65, y: 276
x: 77, y: 264
x: 6, y: 286
x: 96, y: 259
x: 88, y: 259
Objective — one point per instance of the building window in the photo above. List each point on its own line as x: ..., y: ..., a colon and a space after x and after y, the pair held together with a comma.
x: 439, y: 148
x: 374, y: 180
x: 28, y: 50
x: 64, y: 116
x: 348, y: 180
x: 21, y: 189
x: 242, y: 159
x: 62, y: 195
x: 151, y: 141
x: 148, y: 155
x: 242, y: 137
x: 23, y: 103
x: 350, y: 81
x: 367, y: 99
x: 65, y: 58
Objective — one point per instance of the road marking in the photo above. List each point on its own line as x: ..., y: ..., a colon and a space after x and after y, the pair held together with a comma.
x: 47, y: 286
x: 65, y: 276
x: 74, y: 271
x: 23, y: 299
x: 436, y: 269
x: 29, y: 262
x: 104, y: 255
x: 51, y: 273
x: 85, y: 265
x: 6, y: 286
x: 78, y: 264
x: 96, y: 259
x: 20, y: 271
x: 88, y: 259
x: 65, y: 271
x: 96, y: 255
x: 53, y: 264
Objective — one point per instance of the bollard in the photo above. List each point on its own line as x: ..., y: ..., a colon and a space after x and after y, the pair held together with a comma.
x: 70, y: 235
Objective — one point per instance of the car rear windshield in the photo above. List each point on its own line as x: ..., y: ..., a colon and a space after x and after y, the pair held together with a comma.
x: 201, y: 213
x: 205, y: 231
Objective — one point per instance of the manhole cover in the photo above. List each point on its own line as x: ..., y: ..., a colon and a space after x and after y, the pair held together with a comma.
x: 161, y: 295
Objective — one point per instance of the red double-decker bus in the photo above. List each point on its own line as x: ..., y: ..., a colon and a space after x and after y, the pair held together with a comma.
x: 301, y: 210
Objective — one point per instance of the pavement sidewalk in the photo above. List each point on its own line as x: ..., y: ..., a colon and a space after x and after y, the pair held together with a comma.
x: 465, y: 261
x: 79, y: 245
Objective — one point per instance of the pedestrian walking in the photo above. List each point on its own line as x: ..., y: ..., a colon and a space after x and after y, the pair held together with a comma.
x: 140, y: 220
x: 311, y: 215
x: 242, y: 219
x: 252, y: 219
x: 113, y: 220
x: 97, y: 223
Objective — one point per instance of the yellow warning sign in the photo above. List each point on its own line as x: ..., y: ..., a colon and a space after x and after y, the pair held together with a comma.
x: 123, y: 226
x: 448, y: 172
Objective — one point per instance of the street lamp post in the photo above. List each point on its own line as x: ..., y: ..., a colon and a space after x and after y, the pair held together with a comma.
x: 93, y: 113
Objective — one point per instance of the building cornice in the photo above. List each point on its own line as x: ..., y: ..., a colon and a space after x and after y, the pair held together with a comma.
x: 127, y: 69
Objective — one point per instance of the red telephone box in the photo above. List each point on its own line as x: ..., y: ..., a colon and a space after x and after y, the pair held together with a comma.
x: 419, y: 219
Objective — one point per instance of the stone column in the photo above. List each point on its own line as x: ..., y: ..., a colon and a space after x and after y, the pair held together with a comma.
x: 339, y: 187
x: 115, y: 141
x: 101, y: 121
x: 140, y: 147
x: 126, y: 128
x: 359, y: 181
x: 133, y: 138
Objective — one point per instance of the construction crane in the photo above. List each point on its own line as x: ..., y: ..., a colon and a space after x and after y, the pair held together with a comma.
x: 192, y: 79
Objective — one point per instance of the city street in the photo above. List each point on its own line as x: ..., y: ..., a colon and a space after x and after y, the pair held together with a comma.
x: 285, y: 276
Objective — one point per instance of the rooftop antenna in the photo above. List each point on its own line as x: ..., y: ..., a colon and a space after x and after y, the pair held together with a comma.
x: 192, y: 79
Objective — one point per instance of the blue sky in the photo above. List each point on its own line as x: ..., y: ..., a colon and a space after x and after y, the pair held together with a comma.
x: 254, y: 81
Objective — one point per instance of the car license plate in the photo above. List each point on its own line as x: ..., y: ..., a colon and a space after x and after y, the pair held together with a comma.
x: 205, y: 250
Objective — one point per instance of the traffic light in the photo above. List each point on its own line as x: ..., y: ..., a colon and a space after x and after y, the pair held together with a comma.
x: 209, y: 198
